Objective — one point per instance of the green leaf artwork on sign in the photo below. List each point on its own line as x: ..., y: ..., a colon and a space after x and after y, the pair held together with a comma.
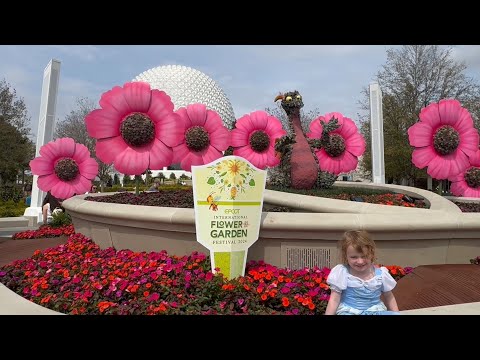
x: 251, y: 182
x: 211, y: 181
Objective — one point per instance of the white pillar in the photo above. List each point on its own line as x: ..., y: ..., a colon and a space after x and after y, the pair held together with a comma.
x: 376, y: 129
x: 429, y: 183
x: 46, y: 128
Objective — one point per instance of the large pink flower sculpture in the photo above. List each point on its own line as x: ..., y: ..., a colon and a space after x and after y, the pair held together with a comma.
x: 467, y: 183
x: 64, y: 168
x: 136, y: 128
x: 205, y: 137
x: 444, y: 139
x: 345, y: 144
x: 254, y: 138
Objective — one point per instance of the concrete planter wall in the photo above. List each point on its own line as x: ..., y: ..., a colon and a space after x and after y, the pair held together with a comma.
x: 405, y: 236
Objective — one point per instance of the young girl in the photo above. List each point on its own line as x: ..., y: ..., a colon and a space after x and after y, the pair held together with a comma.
x: 356, y: 285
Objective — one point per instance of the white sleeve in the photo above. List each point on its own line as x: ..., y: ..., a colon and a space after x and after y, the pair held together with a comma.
x: 388, y: 282
x: 337, y: 279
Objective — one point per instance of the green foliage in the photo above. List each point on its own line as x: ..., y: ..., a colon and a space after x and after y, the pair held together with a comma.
x: 16, y: 149
x: 173, y: 176
x: 60, y: 219
x: 325, y: 180
x: 116, y: 179
x: 11, y: 208
x: 11, y: 193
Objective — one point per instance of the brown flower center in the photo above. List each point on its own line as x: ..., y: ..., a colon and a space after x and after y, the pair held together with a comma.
x: 446, y: 140
x: 259, y: 141
x: 472, y: 177
x: 66, y: 169
x: 335, y: 146
x: 197, y: 138
x: 137, y: 130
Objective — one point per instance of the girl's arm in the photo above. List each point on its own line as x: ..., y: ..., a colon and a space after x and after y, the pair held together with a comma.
x: 390, y: 301
x: 333, y: 303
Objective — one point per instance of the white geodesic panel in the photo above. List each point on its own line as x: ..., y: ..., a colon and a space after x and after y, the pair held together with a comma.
x: 187, y: 86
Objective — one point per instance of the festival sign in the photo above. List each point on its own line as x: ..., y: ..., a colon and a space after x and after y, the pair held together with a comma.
x: 228, y: 198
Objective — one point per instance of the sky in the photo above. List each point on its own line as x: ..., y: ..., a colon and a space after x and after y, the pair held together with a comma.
x: 329, y: 77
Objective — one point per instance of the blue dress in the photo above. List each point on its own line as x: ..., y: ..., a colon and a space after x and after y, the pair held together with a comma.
x: 361, y: 297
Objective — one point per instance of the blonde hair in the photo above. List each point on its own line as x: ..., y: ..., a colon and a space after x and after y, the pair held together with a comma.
x: 361, y: 241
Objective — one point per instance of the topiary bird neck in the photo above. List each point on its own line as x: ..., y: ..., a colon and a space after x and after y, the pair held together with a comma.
x: 304, y: 169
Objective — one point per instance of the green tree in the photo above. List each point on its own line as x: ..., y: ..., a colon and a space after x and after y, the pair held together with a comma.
x: 161, y: 177
x: 127, y: 180
x: 73, y: 126
x: 116, y: 179
x: 413, y: 77
x: 16, y: 149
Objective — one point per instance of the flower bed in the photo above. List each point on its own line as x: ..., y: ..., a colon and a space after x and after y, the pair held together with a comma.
x: 468, y: 207
x: 45, y: 231
x: 184, y: 199
x: 79, y: 278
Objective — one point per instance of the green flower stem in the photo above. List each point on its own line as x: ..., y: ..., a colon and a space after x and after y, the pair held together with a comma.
x: 137, y: 184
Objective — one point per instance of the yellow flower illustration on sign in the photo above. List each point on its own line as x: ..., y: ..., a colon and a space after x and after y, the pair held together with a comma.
x: 232, y: 174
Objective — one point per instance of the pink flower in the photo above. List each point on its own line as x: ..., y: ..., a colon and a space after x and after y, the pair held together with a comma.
x: 204, y: 139
x: 64, y: 168
x: 254, y: 138
x: 444, y: 139
x: 345, y: 144
x: 467, y: 183
x: 136, y: 128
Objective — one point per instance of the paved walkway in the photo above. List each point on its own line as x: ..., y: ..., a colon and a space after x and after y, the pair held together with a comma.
x: 438, y: 285
x: 11, y: 250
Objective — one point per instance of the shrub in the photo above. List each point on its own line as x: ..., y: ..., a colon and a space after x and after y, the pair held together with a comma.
x: 11, y: 208
x: 60, y: 219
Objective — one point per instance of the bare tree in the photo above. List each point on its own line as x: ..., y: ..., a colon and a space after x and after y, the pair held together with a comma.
x: 13, y: 108
x: 413, y: 77
x: 306, y: 117
x: 73, y: 126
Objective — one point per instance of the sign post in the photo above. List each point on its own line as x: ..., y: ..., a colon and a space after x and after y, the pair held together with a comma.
x: 228, y: 198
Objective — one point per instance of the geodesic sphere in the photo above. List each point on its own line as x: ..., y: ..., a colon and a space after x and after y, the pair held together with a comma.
x: 187, y: 86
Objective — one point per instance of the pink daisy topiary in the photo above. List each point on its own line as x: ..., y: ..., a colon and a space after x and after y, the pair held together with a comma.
x: 345, y: 144
x: 136, y: 128
x: 467, y: 183
x: 205, y: 137
x: 254, y: 138
x: 64, y: 168
x: 444, y: 138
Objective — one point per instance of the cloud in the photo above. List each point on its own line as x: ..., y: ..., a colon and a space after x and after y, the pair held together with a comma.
x: 470, y: 54
x: 309, y: 52
x: 83, y: 52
